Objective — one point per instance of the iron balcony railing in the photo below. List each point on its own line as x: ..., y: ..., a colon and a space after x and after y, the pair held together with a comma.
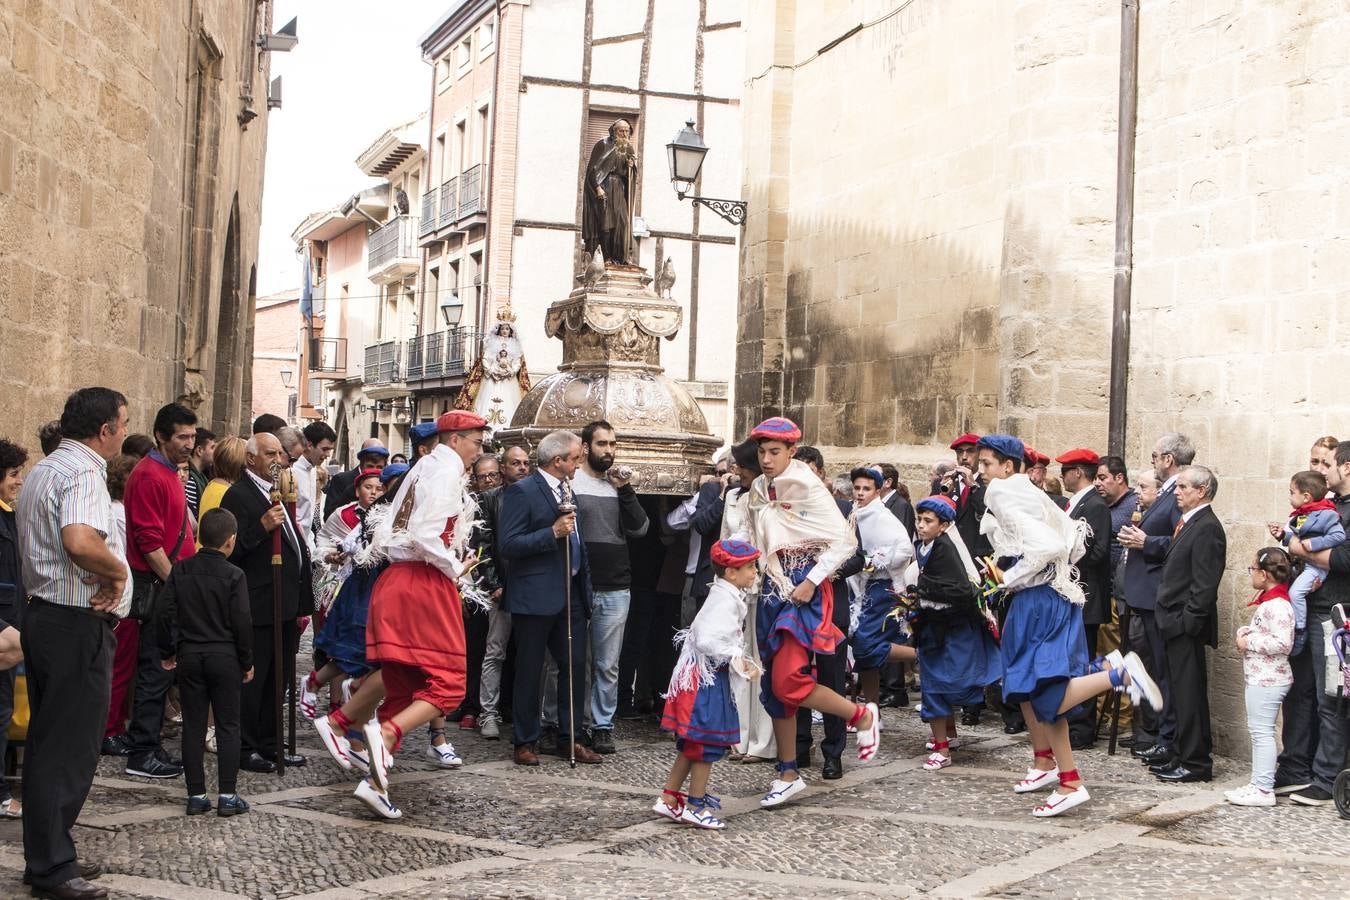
x: 449, y: 203
x: 397, y: 239
x: 441, y: 354
x: 428, y: 213
x: 328, y: 355
x: 382, y: 363
x: 471, y: 192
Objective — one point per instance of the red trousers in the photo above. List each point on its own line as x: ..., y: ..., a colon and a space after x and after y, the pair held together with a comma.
x: 128, y: 636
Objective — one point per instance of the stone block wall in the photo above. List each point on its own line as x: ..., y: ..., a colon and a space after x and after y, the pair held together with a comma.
x: 113, y: 258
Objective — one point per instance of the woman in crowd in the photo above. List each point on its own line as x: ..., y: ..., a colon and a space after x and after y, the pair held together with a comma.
x: 228, y: 464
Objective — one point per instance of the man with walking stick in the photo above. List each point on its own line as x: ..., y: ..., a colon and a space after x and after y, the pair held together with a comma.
x: 548, y: 593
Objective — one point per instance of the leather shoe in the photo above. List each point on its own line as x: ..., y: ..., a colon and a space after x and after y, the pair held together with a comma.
x: 524, y: 755
x: 74, y: 889
x: 1181, y: 775
x: 115, y: 746
x: 294, y: 760
x: 1152, y: 755
x: 584, y: 754
x: 1014, y: 727
x: 1166, y: 765
x: 971, y: 717
x: 832, y: 769
x: 88, y: 871
x: 254, y: 762
x: 892, y: 700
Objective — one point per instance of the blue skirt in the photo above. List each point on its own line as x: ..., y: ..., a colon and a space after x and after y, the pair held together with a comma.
x: 343, y: 636
x: 808, y: 624
x: 876, y: 631
x: 955, y: 672
x: 705, y: 716
x: 1043, y: 646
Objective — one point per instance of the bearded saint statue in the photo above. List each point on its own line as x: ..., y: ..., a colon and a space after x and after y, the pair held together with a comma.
x: 611, y: 182
x: 498, y: 379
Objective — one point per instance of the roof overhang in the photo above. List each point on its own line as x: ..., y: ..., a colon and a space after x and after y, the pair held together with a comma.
x: 453, y: 23
x: 394, y: 148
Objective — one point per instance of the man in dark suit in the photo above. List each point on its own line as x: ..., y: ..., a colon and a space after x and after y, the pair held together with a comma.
x: 532, y: 534
x: 341, y: 488
x: 1146, y: 545
x: 1187, y: 615
x: 250, y: 501
x: 1078, y: 469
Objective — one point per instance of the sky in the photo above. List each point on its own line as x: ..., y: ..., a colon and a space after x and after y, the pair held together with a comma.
x: 356, y: 72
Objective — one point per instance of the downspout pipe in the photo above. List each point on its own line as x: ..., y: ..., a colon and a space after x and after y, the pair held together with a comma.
x: 1124, y: 243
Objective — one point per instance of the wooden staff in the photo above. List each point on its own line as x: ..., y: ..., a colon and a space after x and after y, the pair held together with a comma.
x: 567, y: 506
x: 290, y: 494
x: 277, y: 538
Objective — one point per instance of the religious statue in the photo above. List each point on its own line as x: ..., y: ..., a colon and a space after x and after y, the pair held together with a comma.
x: 498, y: 379
x: 611, y: 182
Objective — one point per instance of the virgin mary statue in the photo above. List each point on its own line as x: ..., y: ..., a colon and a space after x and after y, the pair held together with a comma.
x: 498, y: 379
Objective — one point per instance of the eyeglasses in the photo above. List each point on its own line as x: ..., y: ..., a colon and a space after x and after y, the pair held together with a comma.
x: 1253, y: 569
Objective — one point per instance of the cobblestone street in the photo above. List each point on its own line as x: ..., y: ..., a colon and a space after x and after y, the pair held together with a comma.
x: 887, y: 828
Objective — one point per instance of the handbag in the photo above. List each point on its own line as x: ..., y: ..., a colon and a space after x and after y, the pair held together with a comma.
x: 145, y: 585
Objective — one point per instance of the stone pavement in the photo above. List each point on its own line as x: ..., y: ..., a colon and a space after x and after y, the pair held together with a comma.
x: 886, y: 829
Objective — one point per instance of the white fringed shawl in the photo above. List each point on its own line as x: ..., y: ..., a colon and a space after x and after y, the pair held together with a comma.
x: 886, y: 544
x: 803, y: 519
x: 714, y: 639
x: 1022, y: 521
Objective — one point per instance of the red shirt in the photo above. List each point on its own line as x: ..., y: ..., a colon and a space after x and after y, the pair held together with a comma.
x: 156, y: 506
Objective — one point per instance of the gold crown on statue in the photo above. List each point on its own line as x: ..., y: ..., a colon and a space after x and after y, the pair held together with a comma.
x: 504, y: 314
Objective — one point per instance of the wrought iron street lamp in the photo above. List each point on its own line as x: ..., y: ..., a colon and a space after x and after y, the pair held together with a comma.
x: 452, y: 310
x: 286, y: 374
x: 685, y: 154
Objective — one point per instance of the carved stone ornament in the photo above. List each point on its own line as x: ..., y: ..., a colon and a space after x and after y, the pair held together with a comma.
x: 611, y: 369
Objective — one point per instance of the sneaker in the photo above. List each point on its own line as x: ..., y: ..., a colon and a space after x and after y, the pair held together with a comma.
x: 115, y: 746
x: 360, y: 761
x: 1311, y: 796
x: 309, y: 697
x: 817, y: 717
x: 1288, y: 787
x: 953, y: 743
x: 444, y: 755
x: 1250, y: 795
x: 152, y: 767
x: 489, y: 728
x: 870, y: 737
x: 1037, y: 780
x: 381, y: 760
x: 468, y: 723
x: 1338, y: 615
x: 602, y: 740
x: 233, y: 805
x: 334, y: 743
x: 1141, y: 684
x: 781, y: 792
x: 348, y: 686
x: 673, y: 813
x: 1058, y: 803
x: 936, y: 761
x: 377, y: 800
x: 197, y: 806
x: 696, y: 813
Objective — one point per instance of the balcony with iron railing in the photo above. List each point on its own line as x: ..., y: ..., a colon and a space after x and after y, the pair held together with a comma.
x: 428, y: 213
x: 472, y: 195
x: 441, y: 355
x: 393, y: 252
x: 383, y: 376
x: 449, y: 204
x: 328, y: 357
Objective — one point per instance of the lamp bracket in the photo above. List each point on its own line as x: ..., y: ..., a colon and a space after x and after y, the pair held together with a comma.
x: 733, y: 211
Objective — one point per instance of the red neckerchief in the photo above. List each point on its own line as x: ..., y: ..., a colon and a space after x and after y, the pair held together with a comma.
x: 1313, y: 507
x: 1273, y: 593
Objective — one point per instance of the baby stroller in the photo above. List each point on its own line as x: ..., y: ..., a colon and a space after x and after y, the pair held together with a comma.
x: 1340, y: 640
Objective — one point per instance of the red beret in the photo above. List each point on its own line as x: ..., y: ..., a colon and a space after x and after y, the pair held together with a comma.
x: 777, y: 429
x: 460, y: 420
x: 1034, y: 457
x: 732, y: 554
x: 966, y: 440
x: 367, y: 473
x: 1080, y: 456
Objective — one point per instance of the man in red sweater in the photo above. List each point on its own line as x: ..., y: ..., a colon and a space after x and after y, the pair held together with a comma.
x: 159, y: 533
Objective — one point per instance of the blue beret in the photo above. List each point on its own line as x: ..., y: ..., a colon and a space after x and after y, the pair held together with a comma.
x: 422, y: 430
x: 1006, y: 444
x: 392, y: 471
x: 939, y: 505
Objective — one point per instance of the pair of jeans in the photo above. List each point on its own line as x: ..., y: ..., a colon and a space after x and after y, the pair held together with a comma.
x: 494, y: 659
x: 1333, y: 720
x: 609, y: 612
x: 1263, y: 705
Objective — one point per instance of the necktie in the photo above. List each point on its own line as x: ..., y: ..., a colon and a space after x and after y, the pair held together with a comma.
x: 773, y: 492
x: 572, y: 539
x: 1181, y: 523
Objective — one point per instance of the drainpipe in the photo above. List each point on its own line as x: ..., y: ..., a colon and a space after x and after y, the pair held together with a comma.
x: 1124, y: 256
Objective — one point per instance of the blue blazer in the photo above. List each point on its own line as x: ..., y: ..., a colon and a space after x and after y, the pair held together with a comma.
x: 1143, y: 568
x: 535, y: 584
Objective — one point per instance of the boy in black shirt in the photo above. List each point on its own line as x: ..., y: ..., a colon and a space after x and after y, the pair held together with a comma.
x: 207, y: 634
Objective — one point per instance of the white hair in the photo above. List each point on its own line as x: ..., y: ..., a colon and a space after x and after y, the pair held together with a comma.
x: 251, y: 447
x: 554, y: 445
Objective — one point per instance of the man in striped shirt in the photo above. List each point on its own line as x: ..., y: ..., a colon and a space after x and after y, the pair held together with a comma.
x: 74, y: 582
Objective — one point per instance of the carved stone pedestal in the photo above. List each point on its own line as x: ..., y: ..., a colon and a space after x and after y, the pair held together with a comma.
x: 611, y: 330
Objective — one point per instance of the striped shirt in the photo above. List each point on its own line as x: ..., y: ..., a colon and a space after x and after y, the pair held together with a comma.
x: 69, y: 487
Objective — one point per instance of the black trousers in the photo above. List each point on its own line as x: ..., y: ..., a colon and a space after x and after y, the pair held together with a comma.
x: 6, y: 715
x: 1300, y: 732
x: 147, y: 705
x: 648, y: 655
x: 1155, y: 660
x: 475, y: 648
x: 830, y: 672
x: 535, y: 636
x: 68, y: 657
x: 209, y: 681
x: 1190, y: 699
x: 257, y: 727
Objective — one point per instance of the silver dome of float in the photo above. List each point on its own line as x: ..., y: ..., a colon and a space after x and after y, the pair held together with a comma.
x: 611, y: 329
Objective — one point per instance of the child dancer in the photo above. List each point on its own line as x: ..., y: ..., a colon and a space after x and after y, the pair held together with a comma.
x: 1043, y: 645
x: 796, y: 523
x: 1265, y: 646
x: 1315, y: 522
x: 877, y: 638
x: 957, y: 653
x: 700, y: 707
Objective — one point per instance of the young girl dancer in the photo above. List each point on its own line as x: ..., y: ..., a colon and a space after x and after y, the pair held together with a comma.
x: 1044, y: 650
x: 796, y: 523
x: 957, y: 653
x: 700, y: 708
x: 877, y: 638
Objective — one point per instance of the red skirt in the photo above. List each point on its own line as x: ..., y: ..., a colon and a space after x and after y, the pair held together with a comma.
x: 415, y: 618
